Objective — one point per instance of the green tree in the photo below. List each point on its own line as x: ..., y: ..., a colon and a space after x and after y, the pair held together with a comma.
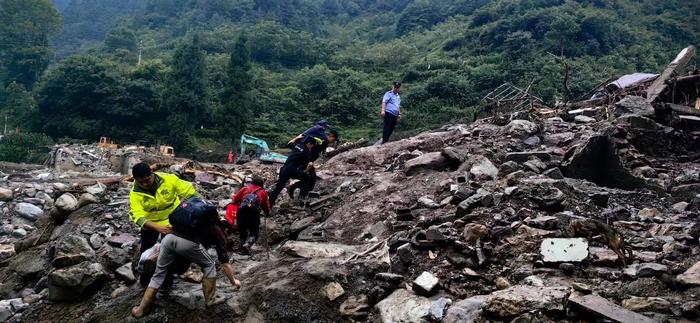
x: 236, y: 98
x: 24, y: 32
x: 18, y: 105
x: 185, y: 96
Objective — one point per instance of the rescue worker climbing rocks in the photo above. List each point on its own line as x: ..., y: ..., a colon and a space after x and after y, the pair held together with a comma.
x: 152, y: 198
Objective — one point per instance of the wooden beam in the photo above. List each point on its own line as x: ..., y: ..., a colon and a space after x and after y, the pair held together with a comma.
x: 659, y: 84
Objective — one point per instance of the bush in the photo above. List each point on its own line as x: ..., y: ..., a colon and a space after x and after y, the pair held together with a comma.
x: 25, y: 148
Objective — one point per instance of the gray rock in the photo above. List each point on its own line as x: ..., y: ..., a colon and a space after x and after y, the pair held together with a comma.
x: 70, y: 250
x: 680, y: 206
x: 523, y: 156
x: 638, y: 122
x: 434, y: 234
x: 96, y: 190
x: 96, y: 241
x: 405, y: 253
x: 6, y: 251
x: 125, y: 273
x: 481, y: 198
x: 425, y: 284
x: 403, y: 306
x: 521, y: 128
x: 532, y: 141
x: 333, y: 291
x: 378, y: 229
x: 509, y: 167
x: 467, y: 310
x: 546, y: 222
x: 482, y: 167
x: 8, y: 308
x: 87, y: 198
x: 644, y: 171
x: 427, y: 202
x: 434, y: 161
x: 690, y: 276
x: 75, y: 282
x: 520, y: 299
x: 584, y: 119
x: 648, y: 269
x: 6, y: 195
x: 438, y: 308
x: 19, y: 233
x: 511, y: 190
x: 646, y: 304
x: 634, y: 105
x: 29, y: 211
x: 66, y: 202
x: 535, y: 165
x: 554, y: 173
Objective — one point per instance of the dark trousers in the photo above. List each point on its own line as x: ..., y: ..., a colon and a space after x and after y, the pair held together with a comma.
x: 248, y: 226
x: 389, y: 125
x: 305, y: 185
x: 286, y: 173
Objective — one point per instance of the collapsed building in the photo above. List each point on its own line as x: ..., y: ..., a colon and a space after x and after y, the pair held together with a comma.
x: 588, y: 213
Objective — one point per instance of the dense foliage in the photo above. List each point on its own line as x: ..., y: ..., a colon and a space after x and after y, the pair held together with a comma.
x: 25, y: 147
x: 211, y: 69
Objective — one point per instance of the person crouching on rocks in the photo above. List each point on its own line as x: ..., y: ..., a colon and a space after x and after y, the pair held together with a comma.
x: 251, y: 201
x: 195, y: 225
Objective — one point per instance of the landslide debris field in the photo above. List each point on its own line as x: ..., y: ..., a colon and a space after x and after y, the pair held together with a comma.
x: 587, y: 214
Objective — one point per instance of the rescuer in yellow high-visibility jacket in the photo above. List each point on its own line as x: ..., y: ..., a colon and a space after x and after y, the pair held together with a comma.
x: 153, y: 197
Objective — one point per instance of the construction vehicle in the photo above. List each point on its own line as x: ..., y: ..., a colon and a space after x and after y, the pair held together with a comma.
x: 252, y: 147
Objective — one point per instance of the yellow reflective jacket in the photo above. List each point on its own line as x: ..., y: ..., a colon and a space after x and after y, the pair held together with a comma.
x: 146, y: 207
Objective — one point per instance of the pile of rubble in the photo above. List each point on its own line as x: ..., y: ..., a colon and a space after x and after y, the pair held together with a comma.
x: 541, y: 219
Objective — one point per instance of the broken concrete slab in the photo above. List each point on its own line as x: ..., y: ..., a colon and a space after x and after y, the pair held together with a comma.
x: 520, y: 299
x: 403, y: 306
x: 605, y: 308
x: 564, y: 249
x: 425, y: 284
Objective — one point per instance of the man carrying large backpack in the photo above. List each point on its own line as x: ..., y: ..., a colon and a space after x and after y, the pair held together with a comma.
x: 251, y: 200
x: 195, y: 225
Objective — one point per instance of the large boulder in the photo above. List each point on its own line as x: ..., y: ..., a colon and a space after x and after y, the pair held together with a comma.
x: 482, y: 167
x: 6, y: 195
x: 520, y: 299
x: 597, y: 161
x: 70, y: 250
x: 521, y: 128
x: 28, y: 211
x: 634, y: 105
x: 76, y: 282
x: 691, y: 276
x: 434, y: 161
x: 403, y: 306
x: 66, y: 202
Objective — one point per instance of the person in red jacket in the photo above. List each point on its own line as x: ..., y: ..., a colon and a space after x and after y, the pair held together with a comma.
x: 250, y: 201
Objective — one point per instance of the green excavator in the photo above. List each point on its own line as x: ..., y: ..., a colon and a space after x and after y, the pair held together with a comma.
x: 252, y: 147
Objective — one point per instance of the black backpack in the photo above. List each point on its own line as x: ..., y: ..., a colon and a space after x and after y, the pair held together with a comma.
x: 250, y: 203
x: 190, y: 213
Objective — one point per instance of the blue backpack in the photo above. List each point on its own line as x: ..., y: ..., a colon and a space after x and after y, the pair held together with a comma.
x: 190, y: 213
x: 250, y: 203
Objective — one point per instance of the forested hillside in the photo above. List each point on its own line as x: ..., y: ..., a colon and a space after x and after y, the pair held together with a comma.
x: 210, y: 69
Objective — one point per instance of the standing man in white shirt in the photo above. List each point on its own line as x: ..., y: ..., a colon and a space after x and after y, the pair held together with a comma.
x: 391, y: 110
